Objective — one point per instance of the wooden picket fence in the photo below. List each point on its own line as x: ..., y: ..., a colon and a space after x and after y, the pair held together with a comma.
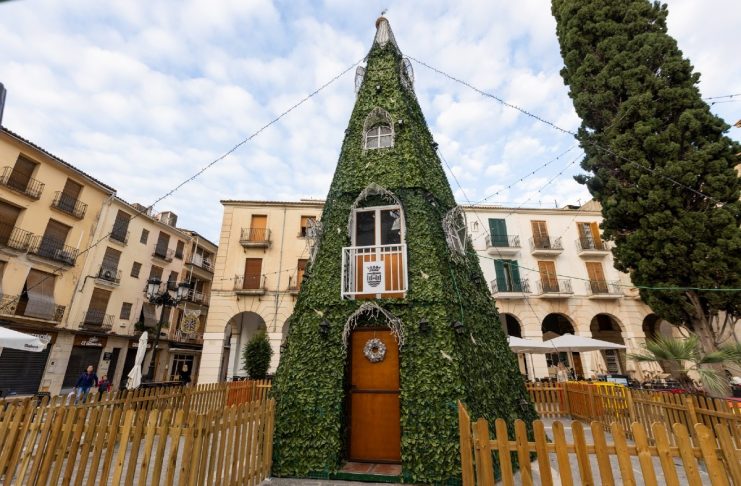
x: 714, y: 454
x: 608, y: 404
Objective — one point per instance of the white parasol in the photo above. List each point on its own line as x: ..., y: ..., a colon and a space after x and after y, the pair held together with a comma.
x: 577, y: 344
x: 520, y: 345
x: 17, y: 340
x: 135, y: 375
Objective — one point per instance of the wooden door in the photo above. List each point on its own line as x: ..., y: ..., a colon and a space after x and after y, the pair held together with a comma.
x: 252, y: 273
x: 21, y: 174
x: 596, y: 277
x: 540, y: 234
x: 375, y: 415
x: 548, y: 276
x: 258, y: 227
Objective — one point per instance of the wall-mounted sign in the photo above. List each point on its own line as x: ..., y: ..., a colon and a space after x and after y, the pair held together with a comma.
x: 135, y: 344
x: 374, y: 277
x: 90, y: 341
x: 107, y: 356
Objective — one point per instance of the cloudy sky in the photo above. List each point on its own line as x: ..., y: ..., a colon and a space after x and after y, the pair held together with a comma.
x: 144, y: 94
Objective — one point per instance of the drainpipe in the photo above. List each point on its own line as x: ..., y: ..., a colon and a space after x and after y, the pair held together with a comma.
x: 280, y: 272
x: 3, y: 92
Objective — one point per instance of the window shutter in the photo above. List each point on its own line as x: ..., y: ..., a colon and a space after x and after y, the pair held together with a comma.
x: 252, y: 273
x: 501, y: 277
x: 150, y: 316
x: 595, y: 234
x: 72, y: 189
x: 498, y: 230
x: 2, y: 272
x: 515, y: 268
x: 99, y: 300
x: 40, y: 291
x: 111, y: 259
x: 163, y: 241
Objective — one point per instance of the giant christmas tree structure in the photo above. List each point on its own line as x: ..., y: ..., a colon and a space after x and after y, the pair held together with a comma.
x: 394, y: 322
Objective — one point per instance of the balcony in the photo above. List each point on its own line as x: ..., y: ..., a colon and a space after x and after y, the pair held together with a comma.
x: 555, y: 289
x: 96, y: 320
x: 250, y: 284
x: 108, y: 275
x: 378, y: 271
x: 510, y: 290
x: 53, y: 250
x: 68, y: 204
x: 120, y: 236
x: 255, y: 238
x: 17, y: 182
x: 603, y: 290
x: 15, y: 238
x: 545, y: 246
x: 202, y: 262
x: 15, y: 305
x: 162, y: 253
x: 503, y: 245
x: 294, y: 285
x: 587, y: 247
x: 190, y: 338
x: 197, y: 297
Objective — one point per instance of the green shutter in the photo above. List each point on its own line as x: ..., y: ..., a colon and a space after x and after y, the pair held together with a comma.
x: 517, y: 283
x: 498, y: 230
x: 501, y: 279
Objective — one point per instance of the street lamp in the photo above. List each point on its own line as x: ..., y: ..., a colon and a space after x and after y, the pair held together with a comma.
x: 165, y: 299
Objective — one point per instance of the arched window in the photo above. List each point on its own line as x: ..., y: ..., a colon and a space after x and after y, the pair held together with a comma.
x: 378, y: 130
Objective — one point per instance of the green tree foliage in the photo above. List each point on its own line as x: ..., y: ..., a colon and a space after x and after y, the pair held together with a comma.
x: 256, y: 356
x: 439, y: 366
x: 640, y: 106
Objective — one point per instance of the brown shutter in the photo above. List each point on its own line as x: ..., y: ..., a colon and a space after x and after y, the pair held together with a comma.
x: 179, y: 249
x: 582, y: 230
x: 111, y: 259
x: 252, y: 273
x: 2, y: 272
x: 99, y: 300
x: 548, y: 275
x: 300, y: 270
x: 155, y: 272
x: 150, y: 315
x: 595, y: 235
x: 121, y: 225
x: 257, y: 227
x: 40, y: 291
x: 8, y: 217
x: 21, y: 173
x: 56, y: 231
x: 163, y: 241
x: 540, y: 234
x: 72, y: 189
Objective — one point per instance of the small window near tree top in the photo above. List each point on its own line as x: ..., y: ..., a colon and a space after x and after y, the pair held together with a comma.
x: 380, y: 136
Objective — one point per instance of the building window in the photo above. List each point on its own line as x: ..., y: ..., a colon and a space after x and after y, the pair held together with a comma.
x: 144, y: 237
x: 126, y: 311
x: 179, y: 250
x: 135, y: 269
x: 306, y: 223
x: 378, y: 130
x: 378, y: 226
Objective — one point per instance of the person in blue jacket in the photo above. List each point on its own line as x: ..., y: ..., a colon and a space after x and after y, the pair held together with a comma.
x: 85, y: 382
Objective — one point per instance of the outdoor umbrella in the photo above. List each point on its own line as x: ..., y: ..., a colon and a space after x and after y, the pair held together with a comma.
x: 135, y: 375
x: 18, y: 340
x: 576, y: 344
x: 528, y: 346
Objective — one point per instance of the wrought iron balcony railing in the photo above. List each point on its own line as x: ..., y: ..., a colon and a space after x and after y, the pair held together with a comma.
x: 541, y: 243
x: 255, y: 237
x: 15, y: 305
x: 163, y: 253
x: 119, y: 235
x: 603, y: 287
x: 202, y: 262
x: 97, y: 319
x: 197, y: 297
x: 13, y: 237
x: 560, y: 286
x: 109, y: 274
x: 589, y: 244
x: 503, y: 241
x: 372, y: 270
x: 69, y: 204
x: 28, y: 186
x: 250, y: 283
x: 53, y: 250
x: 523, y: 287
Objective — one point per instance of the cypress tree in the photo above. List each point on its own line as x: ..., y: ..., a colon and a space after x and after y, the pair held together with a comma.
x: 658, y: 161
x: 453, y: 346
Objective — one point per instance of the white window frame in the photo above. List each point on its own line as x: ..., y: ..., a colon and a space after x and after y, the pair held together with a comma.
x: 377, y: 210
x: 374, y: 133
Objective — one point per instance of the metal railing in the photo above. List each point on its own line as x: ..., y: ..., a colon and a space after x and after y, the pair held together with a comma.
x: 388, y: 275
x: 200, y: 261
x: 603, y: 287
x: 69, y: 204
x: 503, y: 241
x: 589, y: 244
x: 11, y: 305
x: 53, y: 250
x: 17, y: 182
x: 120, y: 235
x: 523, y: 286
x: 560, y: 286
x: 109, y: 274
x: 545, y: 243
x: 14, y: 237
x: 255, y: 235
x: 197, y: 297
x: 97, y: 319
x: 165, y: 254
x: 250, y: 281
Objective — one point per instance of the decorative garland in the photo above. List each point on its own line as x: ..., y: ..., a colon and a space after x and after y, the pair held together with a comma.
x: 454, y: 227
x: 373, y: 310
x: 374, y: 350
x: 372, y: 189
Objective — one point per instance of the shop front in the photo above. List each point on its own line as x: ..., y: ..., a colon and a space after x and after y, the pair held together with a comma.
x: 21, y: 371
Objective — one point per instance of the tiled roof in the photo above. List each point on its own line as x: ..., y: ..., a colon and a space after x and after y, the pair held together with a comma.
x: 66, y: 164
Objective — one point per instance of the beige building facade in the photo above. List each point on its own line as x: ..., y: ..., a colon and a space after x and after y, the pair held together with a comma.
x: 74, y: 264
x: 263, y: 250
x: 549, y: 271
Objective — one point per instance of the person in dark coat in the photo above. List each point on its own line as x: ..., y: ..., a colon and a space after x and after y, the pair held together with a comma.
x: 85, y: 382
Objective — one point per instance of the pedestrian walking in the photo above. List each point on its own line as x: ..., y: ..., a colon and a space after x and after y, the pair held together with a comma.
x: 185, y: 375
x: 104, y: 386
x: 85, y: 382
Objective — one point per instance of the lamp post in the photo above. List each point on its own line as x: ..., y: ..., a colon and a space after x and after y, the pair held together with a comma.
x: 162, y: 297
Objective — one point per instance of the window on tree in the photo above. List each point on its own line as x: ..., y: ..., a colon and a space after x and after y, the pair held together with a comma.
x: 379, y: 136
x: 378, y: 226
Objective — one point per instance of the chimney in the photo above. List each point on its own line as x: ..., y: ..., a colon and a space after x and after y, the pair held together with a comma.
x: 169, y: 218
x: 2, y: 102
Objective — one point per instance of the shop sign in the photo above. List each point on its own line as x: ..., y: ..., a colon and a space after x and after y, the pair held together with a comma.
x: 90, y: 341
x: 47, y: 337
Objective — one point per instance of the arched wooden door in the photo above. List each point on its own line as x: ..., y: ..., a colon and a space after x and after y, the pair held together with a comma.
x: 374, y: 406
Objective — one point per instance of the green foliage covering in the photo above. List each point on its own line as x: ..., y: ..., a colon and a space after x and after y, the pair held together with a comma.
x: 256, y: 356
x: 437, y: 369
x: 639, y: 103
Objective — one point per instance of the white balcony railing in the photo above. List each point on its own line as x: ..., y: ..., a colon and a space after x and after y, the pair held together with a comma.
x: 379, y: 271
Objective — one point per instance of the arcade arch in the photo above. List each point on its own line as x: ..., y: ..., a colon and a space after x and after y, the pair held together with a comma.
x: 554, y: 325
x: 606, y: 327
x: 241, y: 327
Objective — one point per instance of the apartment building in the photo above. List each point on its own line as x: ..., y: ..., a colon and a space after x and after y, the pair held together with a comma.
x: 549, y: 271
x: 262, y: 254
x: 48, y: 214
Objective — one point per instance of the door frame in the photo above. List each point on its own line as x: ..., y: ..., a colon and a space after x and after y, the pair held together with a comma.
x: 348, y: 395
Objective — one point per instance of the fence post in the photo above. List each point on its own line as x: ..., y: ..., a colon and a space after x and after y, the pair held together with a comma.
x: 464, y: 429
x: 630, y: 404
x: 563, y: 390
x: 484, y: 465
x: 592, y: 410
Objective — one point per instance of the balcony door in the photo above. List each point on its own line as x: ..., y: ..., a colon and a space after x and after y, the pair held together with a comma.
x: 596, y: 277
x: 548, y: 277
x: 378, y: 237
x: 252, y: 273
x: 70, y: 195
x: 21, y: 174
x: 508, y: 276
x: 589, y: 236
x: 8, y: 217
x: 540, y: 234
x: 258, y: 227
x: 96, y: 312
x: 498, y: 230
x: 55, y: 237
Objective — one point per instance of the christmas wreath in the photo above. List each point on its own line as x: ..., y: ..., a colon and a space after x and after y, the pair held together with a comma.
x: 374, y: 350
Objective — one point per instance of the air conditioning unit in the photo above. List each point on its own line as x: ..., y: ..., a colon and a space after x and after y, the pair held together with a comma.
x: 108, y: 274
